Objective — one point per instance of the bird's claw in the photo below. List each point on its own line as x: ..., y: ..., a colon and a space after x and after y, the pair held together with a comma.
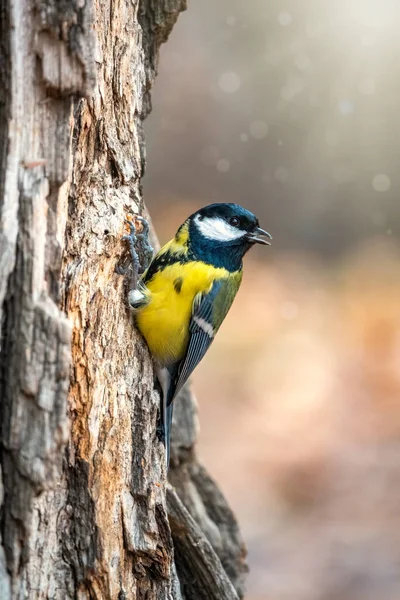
x: 146, y: 251
x: 143, y: 237
x: 132, y: 229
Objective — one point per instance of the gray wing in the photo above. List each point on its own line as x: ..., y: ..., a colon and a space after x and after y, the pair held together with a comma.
x: 209, y: 310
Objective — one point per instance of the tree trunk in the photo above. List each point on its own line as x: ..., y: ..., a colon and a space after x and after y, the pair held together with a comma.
x: 87, y: 511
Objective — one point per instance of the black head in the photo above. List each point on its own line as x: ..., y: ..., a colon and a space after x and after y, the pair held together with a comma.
x: 220, y: 234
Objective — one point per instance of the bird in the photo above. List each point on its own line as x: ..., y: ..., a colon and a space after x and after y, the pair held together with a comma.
x: 185, y: 293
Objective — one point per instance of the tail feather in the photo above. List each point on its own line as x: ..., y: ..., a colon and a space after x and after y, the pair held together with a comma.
x: 167, y: 431
x: 166, y: 409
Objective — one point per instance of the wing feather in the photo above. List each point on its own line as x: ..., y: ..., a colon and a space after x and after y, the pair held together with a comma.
x: 208, y: 312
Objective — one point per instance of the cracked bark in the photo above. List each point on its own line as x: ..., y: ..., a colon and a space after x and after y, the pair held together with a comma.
x: 86, y: 511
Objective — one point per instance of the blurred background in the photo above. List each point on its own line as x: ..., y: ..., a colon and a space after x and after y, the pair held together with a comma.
x: 291, y: 109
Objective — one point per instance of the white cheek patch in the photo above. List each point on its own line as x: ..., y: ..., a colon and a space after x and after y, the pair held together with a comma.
x: 217, y: 229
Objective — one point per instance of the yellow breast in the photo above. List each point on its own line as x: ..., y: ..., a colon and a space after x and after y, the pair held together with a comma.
x: 164, y: 322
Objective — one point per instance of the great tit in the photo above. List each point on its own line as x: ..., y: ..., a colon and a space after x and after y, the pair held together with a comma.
x: 184, y: 295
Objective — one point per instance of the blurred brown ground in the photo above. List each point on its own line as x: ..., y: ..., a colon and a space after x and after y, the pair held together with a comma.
x: 299, y: 396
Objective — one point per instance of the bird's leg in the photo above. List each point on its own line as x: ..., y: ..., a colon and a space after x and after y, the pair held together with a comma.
x: 132, y: 239
x: 143, y: 239
x: 138, y: 245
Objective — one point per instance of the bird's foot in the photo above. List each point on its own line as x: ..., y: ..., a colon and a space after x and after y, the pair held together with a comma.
x: 138, y: 246
x: 142, y: 237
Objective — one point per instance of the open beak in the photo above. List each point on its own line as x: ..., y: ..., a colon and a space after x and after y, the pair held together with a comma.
x: 258, y: 236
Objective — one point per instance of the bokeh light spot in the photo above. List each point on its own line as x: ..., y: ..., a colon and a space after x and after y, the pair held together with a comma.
x: 229, y: 82
x: 346, y: 107
x: 281, y: 174
x: 223, y: 165
x: 285, y: 18
x: 258, y: 129
x: 292, y: 88
x: 381, y: 183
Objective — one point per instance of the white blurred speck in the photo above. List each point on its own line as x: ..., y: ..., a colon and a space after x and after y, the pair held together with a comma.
x: 231, y: 20
x: 346, y: 107
x: 331, y: 137
x: 258, y: 129
x: 280, y: 143
x: 292, y: 88
x: 289, y: 310
x: 223, y: 165
x: 389, y: 232
x: 284, y: 18
x: 229, y: 82
x: 244, y: 137
x: 367, y: 86
x: 302, y: 61
x: 381, y: 183
x: 209, y: 155
x: 281, y: 174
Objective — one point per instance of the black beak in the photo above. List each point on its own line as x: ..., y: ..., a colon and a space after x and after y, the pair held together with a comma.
x: 258, y: 236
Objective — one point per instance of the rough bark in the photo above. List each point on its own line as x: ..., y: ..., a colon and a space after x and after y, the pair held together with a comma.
x: 83, y: 485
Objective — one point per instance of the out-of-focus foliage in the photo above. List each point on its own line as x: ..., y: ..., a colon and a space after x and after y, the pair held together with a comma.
x: 291, y: 109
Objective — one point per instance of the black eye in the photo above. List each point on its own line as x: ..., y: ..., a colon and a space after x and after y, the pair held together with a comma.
x: 234, y: 221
